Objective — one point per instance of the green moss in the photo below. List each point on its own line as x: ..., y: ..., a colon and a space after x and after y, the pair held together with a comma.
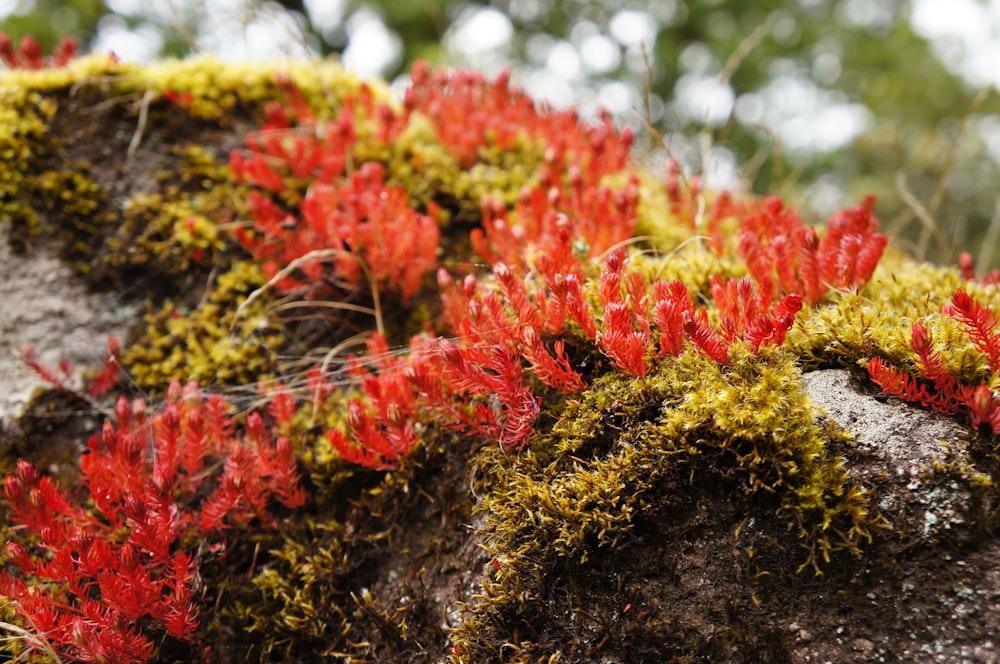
x: 24, y: 118
x: 876, y: 322
x: 630, y: 446
x: 214, y: 344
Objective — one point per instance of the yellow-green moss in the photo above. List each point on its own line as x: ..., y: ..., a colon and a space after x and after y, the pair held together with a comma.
x: 214, y: 344
x: 752, y: 421
x: 24, y: 118
x: 875, y: 321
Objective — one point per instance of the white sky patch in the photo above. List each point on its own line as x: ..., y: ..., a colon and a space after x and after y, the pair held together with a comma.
x: 696, y: 58
x: 704, y: 99
x: 617, y: 97
x: 633, y: 28
x: 372, y: 49
x: 965, y: 34
x: 549, y: 88
x: 537, y: 47
x: 264, y: 35
x: 804, y: 117
x: 600, y: 55
x: 564, y: 61
x: 162, y: 11
x: 479, y: 32
x: 720, y: 171
x: 139, y: 45
x: 326, y: 14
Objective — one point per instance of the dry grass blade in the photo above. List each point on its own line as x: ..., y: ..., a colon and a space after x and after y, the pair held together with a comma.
x: 929, y: 228
x: 36, y: 644
x: 318, y: 254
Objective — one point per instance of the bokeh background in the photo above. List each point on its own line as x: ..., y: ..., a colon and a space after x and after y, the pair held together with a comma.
x: 819, y: 101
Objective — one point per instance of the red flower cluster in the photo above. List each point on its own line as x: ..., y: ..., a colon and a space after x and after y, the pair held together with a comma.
x: 350, y: 231
x: 777, y: 248
x: 476, y: 381
x: 469, y: 113
x: 101, y: 578
x: 943, y: 391
x: 595, y: 218
x: 29, y: 54
x: 746, y: 314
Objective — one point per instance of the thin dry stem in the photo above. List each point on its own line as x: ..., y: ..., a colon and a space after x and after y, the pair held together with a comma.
x: 144, y: 102
x: 318, y: 254
x: 356, y: 340
x: 36, y: 642
x: 928, y: 226
x: 990, y: 239
x: 949, y: 159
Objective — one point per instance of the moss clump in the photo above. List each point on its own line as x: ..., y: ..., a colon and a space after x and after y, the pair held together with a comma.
x: 24, y: 118
x: 628, y: 449
x: 215, y: 343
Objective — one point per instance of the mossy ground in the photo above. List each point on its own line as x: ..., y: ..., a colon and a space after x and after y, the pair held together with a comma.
x: 675, y: 517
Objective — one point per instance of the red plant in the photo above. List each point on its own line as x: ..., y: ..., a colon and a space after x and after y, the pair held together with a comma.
x: 595, y: 219
x: 475, y: 382
x: 103, y: 578
x: 625, y: 334
x: 470, y: 113
x: 778, y: 249
x: 64, y: 378
x: 746, y: 314
x: 945, y: 392
x: 381, y: 424
x: 967, y: 268
x: 29, y: 54
x: 348, y: 234
x: 672, y: 308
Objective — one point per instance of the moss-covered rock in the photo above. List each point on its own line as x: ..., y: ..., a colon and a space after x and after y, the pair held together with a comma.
x: 586, y: 454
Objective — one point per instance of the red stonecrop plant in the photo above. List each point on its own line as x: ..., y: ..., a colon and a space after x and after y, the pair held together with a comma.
x: 103, y: 579
x: 475, y: 383
x: 470, y: 113
x: 967, y: 268
x: 596, y: 218
x: 65, y: 378
x: 359, y: 231
x: 351, y: 223
x: 745, y: 310
x: 936, y: 385
x: 777, y: 248
x: 29, y: 54
x: 504, y: 333
x: 352, y: 228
